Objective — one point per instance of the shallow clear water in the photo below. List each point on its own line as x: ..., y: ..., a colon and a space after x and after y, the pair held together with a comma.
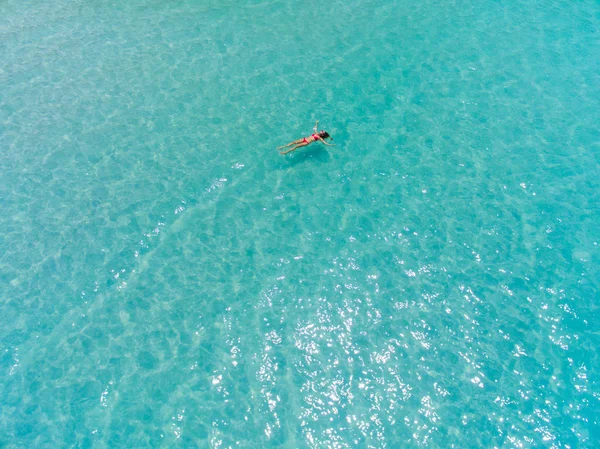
x: 167, y: 279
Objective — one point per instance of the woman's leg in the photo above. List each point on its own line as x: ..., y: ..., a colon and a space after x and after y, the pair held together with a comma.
x: 295, y: 142
x: 303, y: 144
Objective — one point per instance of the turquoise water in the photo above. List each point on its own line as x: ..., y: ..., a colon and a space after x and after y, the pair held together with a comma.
x: 168, y: 280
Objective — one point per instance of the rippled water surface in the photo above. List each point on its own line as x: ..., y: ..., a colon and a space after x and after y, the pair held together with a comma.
x: 168, y: 280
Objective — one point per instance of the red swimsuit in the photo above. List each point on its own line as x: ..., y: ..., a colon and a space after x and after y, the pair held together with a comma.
x: 314, y: 136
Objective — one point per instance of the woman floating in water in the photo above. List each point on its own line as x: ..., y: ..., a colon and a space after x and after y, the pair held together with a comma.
x: 321, y: 135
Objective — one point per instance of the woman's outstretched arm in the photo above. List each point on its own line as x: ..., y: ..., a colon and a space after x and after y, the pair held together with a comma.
x: 328, y: 144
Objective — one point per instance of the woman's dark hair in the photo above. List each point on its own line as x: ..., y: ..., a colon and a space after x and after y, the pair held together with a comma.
x: 324, y: 134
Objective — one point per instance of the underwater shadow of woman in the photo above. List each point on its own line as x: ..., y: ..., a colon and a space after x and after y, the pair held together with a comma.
x: 316, y: 154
